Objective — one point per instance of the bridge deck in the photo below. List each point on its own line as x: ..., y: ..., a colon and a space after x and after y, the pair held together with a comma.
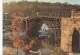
x: 55, y: 14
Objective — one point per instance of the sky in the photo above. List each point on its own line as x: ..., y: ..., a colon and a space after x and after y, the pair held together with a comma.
x: 52, y: 1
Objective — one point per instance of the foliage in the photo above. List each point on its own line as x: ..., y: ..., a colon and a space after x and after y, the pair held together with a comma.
x: 38, y: 6
x: 54, y: 49
x: 57, y: 51
x: 9, y: 52
x: 18, y: 33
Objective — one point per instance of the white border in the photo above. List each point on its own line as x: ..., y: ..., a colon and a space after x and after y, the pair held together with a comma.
x: 1, y: 35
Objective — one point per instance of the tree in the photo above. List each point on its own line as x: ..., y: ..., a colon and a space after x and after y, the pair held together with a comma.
x: 17, y: 38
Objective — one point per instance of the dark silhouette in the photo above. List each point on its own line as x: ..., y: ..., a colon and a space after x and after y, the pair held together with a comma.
x: 75, y: 41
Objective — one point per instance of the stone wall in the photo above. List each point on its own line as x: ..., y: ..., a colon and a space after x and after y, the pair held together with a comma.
x: 67, y: 27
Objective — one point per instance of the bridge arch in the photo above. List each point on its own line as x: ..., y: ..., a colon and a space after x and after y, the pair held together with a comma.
x: 35, y: 24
